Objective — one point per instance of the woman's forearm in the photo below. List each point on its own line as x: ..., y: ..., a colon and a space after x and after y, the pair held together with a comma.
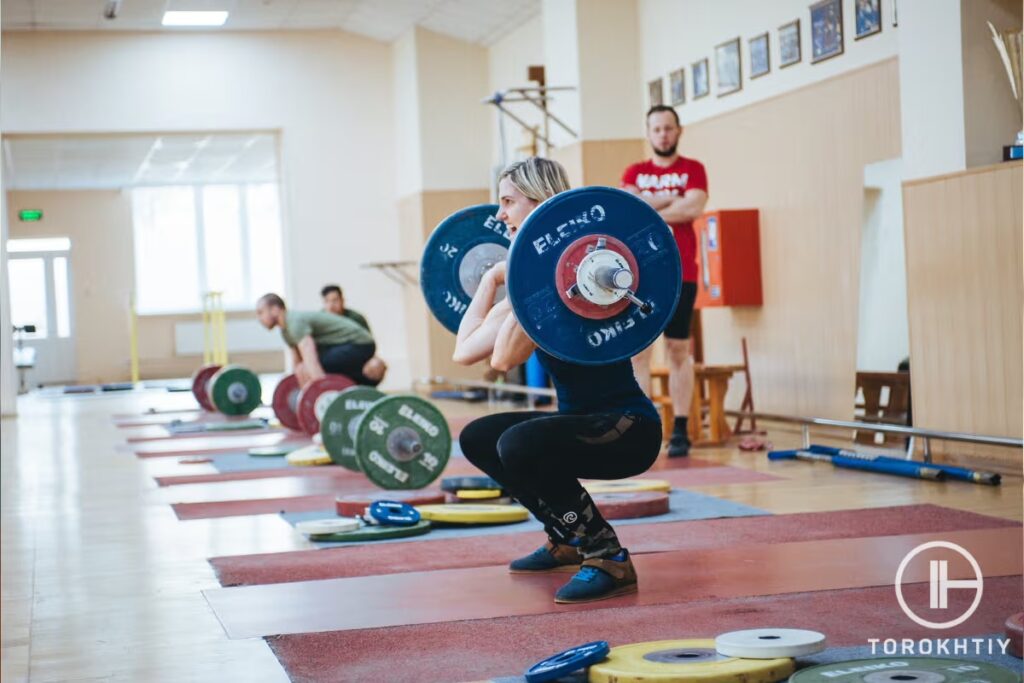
x: 512, y: 346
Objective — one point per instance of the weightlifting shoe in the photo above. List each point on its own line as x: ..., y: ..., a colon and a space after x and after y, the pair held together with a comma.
x: 599, y: 579
x: 550, y: 557
x: 679, y: 445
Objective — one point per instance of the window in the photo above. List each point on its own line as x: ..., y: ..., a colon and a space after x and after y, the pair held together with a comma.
x: 61, y: 292
x: 28, y: 294
x: 20, y: 246
x: 40, y: 285
x: 195, y: 239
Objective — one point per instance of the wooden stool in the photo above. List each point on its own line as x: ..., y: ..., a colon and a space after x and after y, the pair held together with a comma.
x: 662, y: 400
x: 710, y: 386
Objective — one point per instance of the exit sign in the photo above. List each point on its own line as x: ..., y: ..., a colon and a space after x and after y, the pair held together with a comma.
x: 29, y: 215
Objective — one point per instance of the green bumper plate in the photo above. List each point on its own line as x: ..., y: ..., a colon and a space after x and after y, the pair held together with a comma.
x: 372, y: 532
x: 234, y: 390
x: 404, y: 442
x: 895, y: 669
x: 338, y: 425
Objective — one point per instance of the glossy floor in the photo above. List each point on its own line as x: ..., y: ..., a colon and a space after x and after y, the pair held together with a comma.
x: 100, y: 580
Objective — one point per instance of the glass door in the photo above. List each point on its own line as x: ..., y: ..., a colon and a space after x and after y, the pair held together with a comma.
x: 39, y: 273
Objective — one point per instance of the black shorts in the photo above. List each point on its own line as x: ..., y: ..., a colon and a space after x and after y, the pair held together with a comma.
x: 347, y: 359
x: 679, y: 325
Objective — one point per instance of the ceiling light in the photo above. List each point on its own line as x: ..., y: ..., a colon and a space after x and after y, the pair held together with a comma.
x: 181, y: 18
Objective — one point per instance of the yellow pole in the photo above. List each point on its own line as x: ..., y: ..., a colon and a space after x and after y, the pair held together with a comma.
x: 134, y: 338
x: 207, y: 347
x: 223, y: 328
x: 223, y: 325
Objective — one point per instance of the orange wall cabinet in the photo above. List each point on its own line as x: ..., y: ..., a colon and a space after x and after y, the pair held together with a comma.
x: 728, y: 258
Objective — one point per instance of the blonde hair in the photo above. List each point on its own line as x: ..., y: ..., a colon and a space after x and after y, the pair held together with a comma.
x: 537, y: 178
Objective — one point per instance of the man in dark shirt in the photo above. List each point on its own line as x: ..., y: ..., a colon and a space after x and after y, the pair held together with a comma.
x: 334, y: 302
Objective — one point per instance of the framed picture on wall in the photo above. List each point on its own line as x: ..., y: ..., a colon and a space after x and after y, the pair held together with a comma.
x: 654, y: 92
x: 727, y: 67
x: 826, y: 30
x: 760, y: 63
x: 868, y: 18
x: 701, y: 86
x: 677, y: 86
x: 789, y: 43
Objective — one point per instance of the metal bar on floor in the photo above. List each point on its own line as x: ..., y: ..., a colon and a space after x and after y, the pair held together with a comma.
x: 926, y: 434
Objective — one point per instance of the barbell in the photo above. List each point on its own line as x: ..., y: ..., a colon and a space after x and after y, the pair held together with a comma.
x: 593, y: 275
x: 229, y: 389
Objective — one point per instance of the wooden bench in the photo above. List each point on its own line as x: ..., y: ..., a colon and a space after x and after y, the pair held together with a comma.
x: 894, y: 409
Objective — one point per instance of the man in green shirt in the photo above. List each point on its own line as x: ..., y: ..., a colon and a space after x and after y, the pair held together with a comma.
x: 334, y: 302
x: 321, y: 342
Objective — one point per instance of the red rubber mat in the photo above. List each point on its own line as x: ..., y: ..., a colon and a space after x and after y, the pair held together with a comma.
x: 217, y: 444
x: 148, y: 419
x: 505, y: 646
x: 489, y: 592
x: 264, y: 506
x: 480, y: 551
x: 160, y: 433
x: 174, y: 413
x: 682, y: 478
x: 456, y: 466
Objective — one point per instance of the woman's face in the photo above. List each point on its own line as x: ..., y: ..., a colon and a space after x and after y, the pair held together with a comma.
x: 513, y: 206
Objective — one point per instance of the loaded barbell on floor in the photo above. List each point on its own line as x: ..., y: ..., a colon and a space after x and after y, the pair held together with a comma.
x: 398, y: 442
x: 228, y: 389
x: 593, y: 275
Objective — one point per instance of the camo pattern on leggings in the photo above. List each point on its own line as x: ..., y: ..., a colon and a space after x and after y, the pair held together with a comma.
x: 596, y: 536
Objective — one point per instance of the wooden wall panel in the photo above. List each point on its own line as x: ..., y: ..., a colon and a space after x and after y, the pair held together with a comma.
x: 799, y: 158
x: 599, y: 162
x: 965, y: 292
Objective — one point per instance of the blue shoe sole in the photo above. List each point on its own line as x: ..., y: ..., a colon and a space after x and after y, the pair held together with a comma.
x: 562, y: 568
x: 621, y: 590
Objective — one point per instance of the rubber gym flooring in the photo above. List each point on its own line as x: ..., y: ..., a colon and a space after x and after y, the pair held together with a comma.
x: 121, y: 562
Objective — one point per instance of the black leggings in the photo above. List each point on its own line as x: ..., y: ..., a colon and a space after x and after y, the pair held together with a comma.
x: 539, y: 458
x: 347, y: 359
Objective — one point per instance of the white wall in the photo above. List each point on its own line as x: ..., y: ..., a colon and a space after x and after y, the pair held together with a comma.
x: 883, y: 337
x: 561, y: 63
x: 931, y: 88
x: 8, y: 378
x: 440, y: 123
x: 507, y: 62
x: 408, y: 152
x: 329, y: 94
x: 610, y: 102
x: 676, y: 33
x: 452, y: 77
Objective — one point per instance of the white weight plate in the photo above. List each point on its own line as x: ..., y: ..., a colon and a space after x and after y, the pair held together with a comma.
x: 332, y: 525
x: 769, y: 643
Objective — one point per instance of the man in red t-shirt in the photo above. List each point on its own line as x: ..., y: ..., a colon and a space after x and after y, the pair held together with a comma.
x: 678, y: 188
